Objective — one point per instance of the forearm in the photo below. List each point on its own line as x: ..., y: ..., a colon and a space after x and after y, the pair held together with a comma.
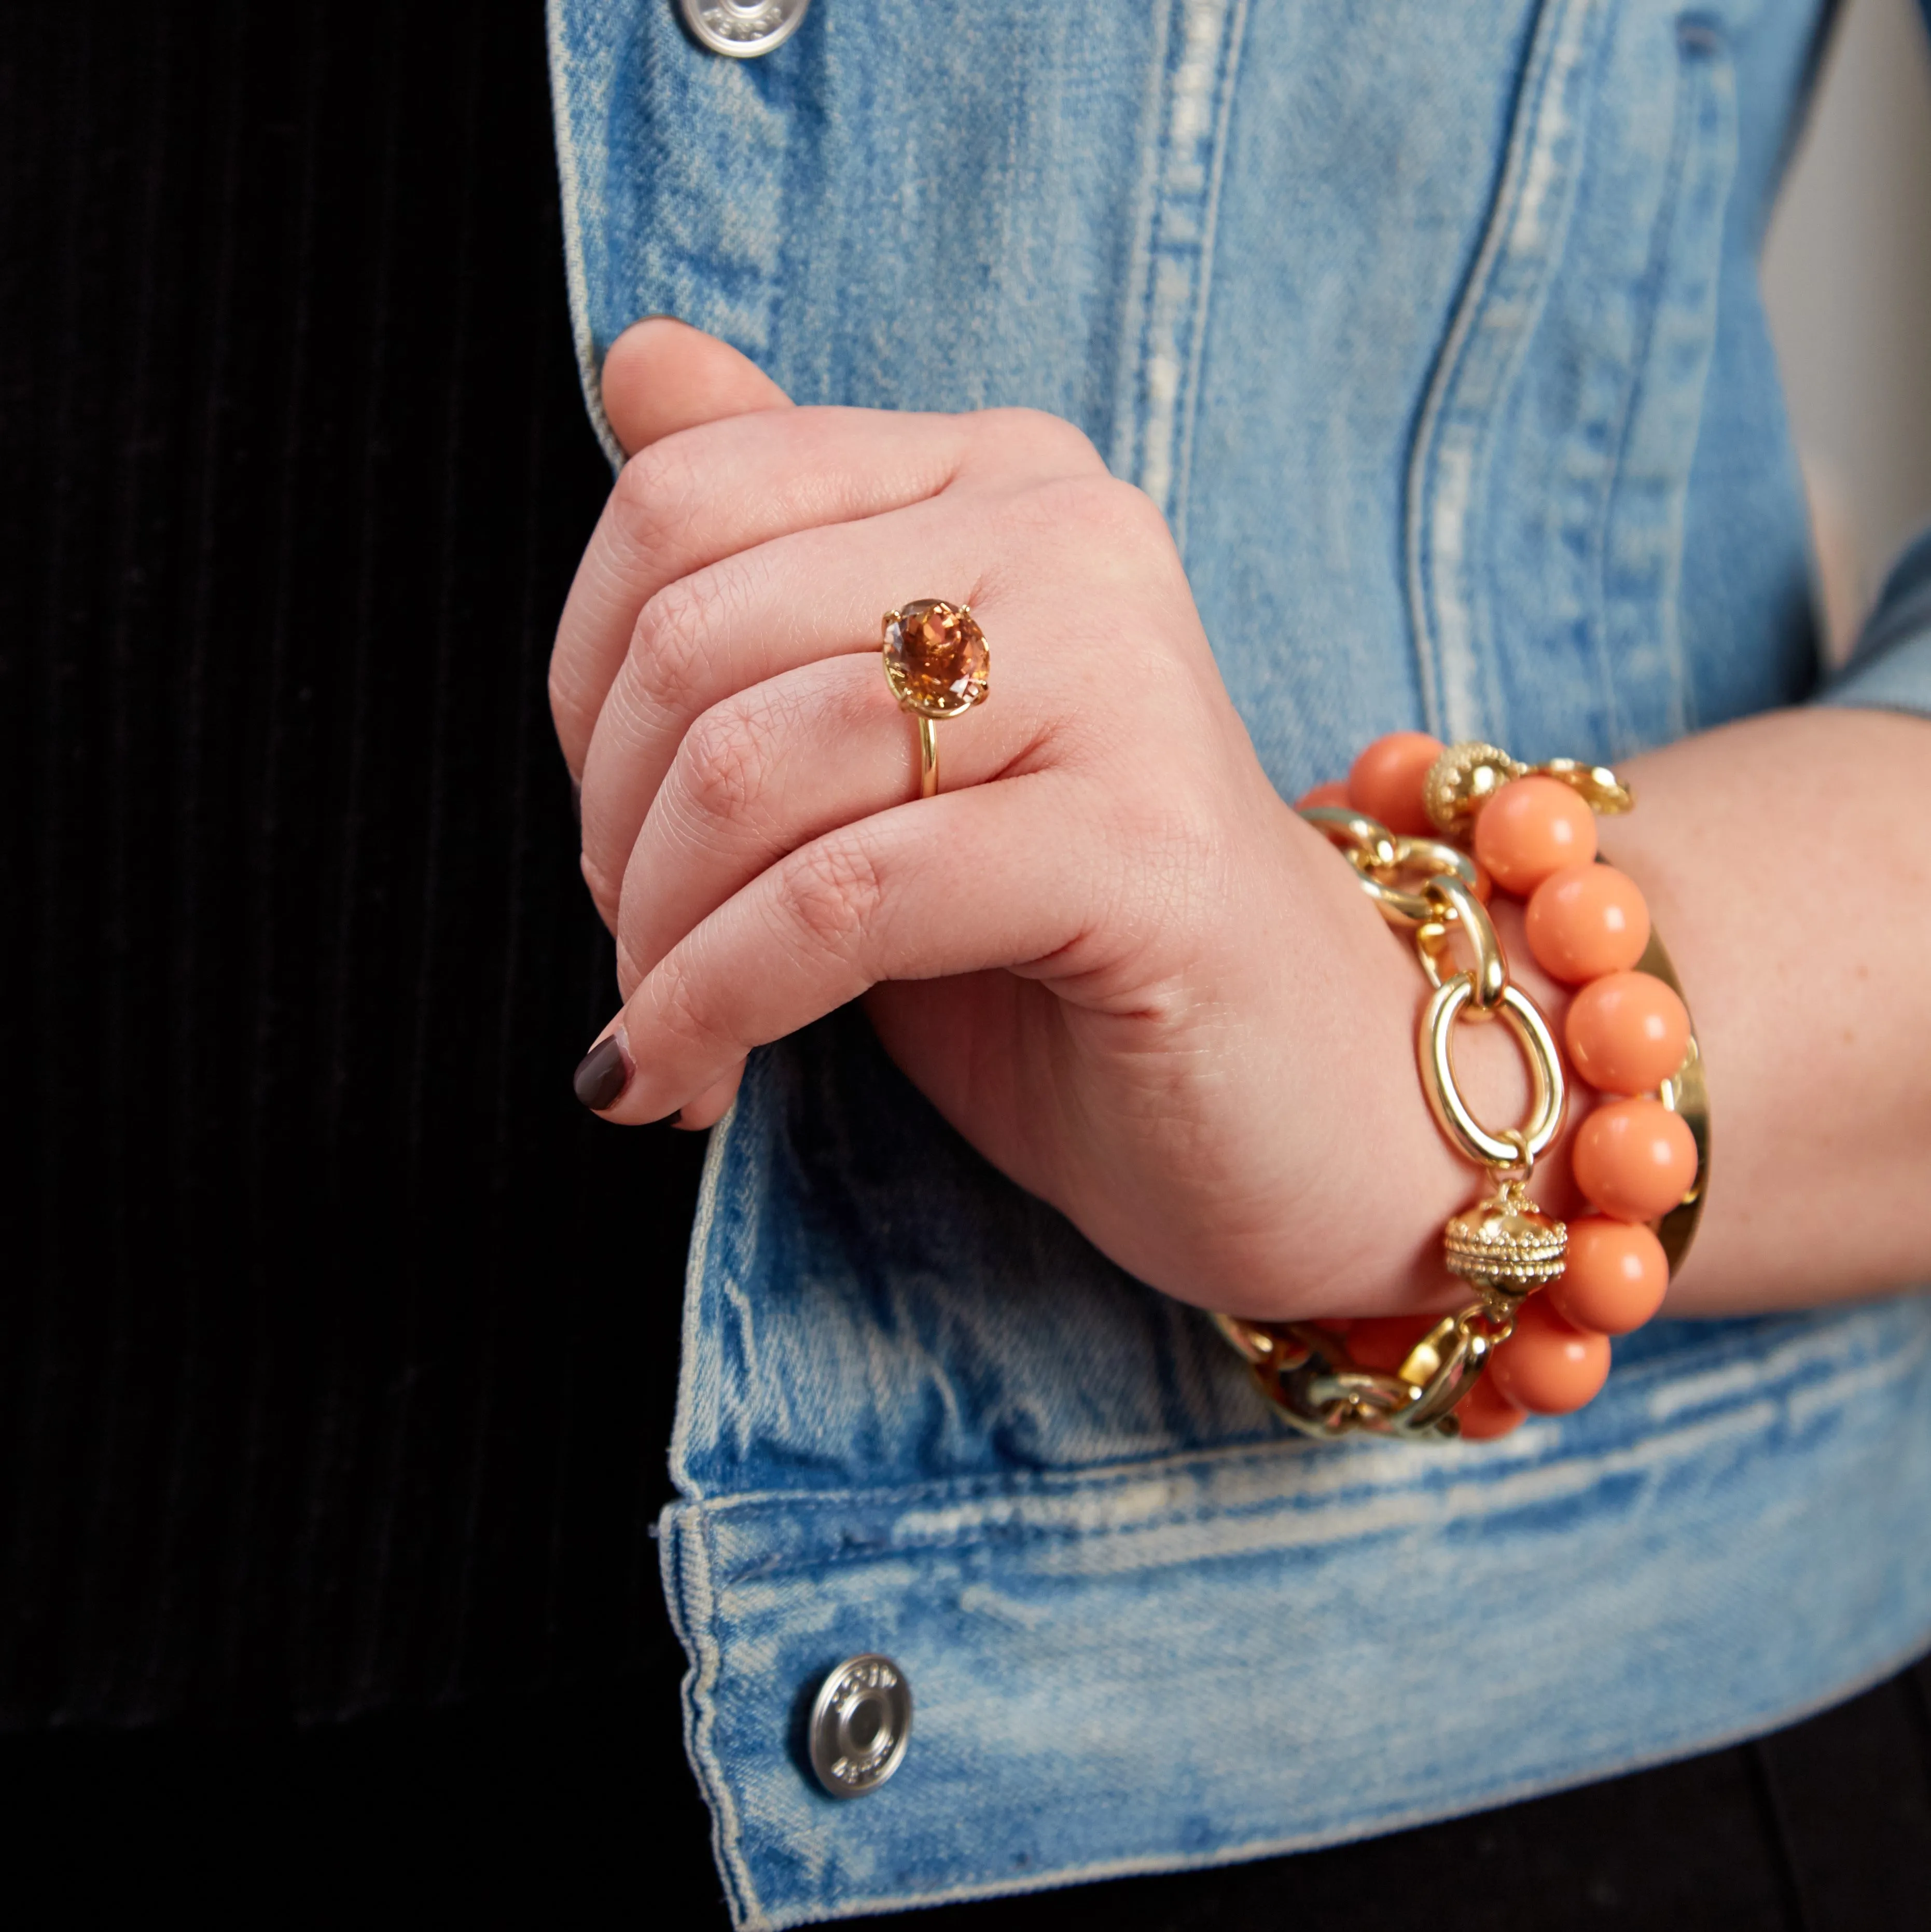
x: 1788, y: 866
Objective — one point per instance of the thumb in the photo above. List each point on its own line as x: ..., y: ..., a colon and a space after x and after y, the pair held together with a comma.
x: 661, y: 375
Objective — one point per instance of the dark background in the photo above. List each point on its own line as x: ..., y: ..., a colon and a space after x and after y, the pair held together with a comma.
x: 337, y: 1346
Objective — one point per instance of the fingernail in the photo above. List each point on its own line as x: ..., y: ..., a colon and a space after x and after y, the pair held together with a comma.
x: 576, y: 800
x: 602, y: 1074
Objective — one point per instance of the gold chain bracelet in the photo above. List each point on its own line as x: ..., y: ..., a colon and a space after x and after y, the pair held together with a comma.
x: 1426, y: 883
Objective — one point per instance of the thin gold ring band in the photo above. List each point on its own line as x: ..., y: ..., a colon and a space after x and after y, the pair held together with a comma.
x: 928, y: 757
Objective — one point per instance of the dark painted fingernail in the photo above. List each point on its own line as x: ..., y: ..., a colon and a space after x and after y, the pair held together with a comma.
x: 576, y: 799
x: 601, y: 1075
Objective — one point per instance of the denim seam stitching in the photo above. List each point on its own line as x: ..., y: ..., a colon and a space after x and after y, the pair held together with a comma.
x: 689, y: 1568
x: 691, y: 1343
x: 1693, y: 1437
x: 1281, y: 1447
x: 1124, y: 459
x: 1556, y: 58
x: 1690, y: 1435
x: 569, y: 170
x: 1183, y: 440
x: 1695, y: 80
x: 1170, y: 311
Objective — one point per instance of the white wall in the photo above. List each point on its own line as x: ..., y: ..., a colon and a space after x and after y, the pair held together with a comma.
x: 1847, y: 275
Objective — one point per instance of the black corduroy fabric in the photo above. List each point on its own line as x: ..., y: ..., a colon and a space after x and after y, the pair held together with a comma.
x: 335, y: 1348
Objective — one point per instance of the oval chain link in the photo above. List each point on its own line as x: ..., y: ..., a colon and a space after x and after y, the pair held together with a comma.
x: 1448, y: 898
x: 1520, y: 1148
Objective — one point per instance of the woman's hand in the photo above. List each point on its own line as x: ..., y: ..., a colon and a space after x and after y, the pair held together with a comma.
x: 1108, y: 952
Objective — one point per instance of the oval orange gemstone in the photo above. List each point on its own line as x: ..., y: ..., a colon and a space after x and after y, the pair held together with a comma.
x: 936, y: 658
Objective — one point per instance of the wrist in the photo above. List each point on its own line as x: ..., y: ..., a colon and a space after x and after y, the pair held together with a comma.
x: 1588, y: 926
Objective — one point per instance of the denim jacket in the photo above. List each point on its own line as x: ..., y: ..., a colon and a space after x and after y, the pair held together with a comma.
x: 1433, y: 327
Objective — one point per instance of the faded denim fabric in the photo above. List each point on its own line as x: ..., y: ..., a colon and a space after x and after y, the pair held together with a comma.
x: 1434, y: 329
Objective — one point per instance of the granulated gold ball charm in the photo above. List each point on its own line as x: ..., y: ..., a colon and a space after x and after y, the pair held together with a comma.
x: 938, y: 664
x: 1505, y: 1246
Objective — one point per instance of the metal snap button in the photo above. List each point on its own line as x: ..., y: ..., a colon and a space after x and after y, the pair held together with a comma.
x: 860, y: 1722
x: 743, y: 29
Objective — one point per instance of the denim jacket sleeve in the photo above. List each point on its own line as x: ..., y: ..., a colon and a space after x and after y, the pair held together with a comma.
x: 1890, y: 668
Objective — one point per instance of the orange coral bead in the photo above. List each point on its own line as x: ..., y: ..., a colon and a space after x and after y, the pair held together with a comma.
x: 1531, y: 829
x: 1587, y: 920
x: 1635, y: 1160
x: 1386, y: 781
x: 1549, y: 1365
x: 1485, y: 1412
x: 1616, y: 1277
x: 1626, y: 1033
x: 1331, y: 794
x: 1383, y: 1341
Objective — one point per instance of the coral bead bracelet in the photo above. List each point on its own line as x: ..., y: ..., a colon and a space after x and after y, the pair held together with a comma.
x: 1431, y: 831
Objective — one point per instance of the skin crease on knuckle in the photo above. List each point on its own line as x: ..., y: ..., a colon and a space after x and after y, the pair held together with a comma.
x: 684, y: 1020
x: 655, y: 503
x: 714, y: 802
x: 831, y: 894
x: 651, y: 700
x: 724, y: 764
x: 649, y: 507
x: 674, y: 632
x: 1033, y: 440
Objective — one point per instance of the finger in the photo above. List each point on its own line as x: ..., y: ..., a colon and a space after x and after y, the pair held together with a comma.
x: 662, y: 375
x: 820, y: 594
x: 815, y: 595
x: 710, y: 1106
x: 771, y: 768
x: 698, y: 496
x: 694, y: 498
x: 885, y: 898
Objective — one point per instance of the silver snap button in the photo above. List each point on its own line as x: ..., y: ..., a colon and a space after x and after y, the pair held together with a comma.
x: 743, y: 29
x: 860, y: 1722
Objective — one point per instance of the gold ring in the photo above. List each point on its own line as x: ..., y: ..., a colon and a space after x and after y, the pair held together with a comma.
x: 938, y: 665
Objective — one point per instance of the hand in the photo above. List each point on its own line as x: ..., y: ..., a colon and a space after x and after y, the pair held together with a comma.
x: 1108, y: 952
